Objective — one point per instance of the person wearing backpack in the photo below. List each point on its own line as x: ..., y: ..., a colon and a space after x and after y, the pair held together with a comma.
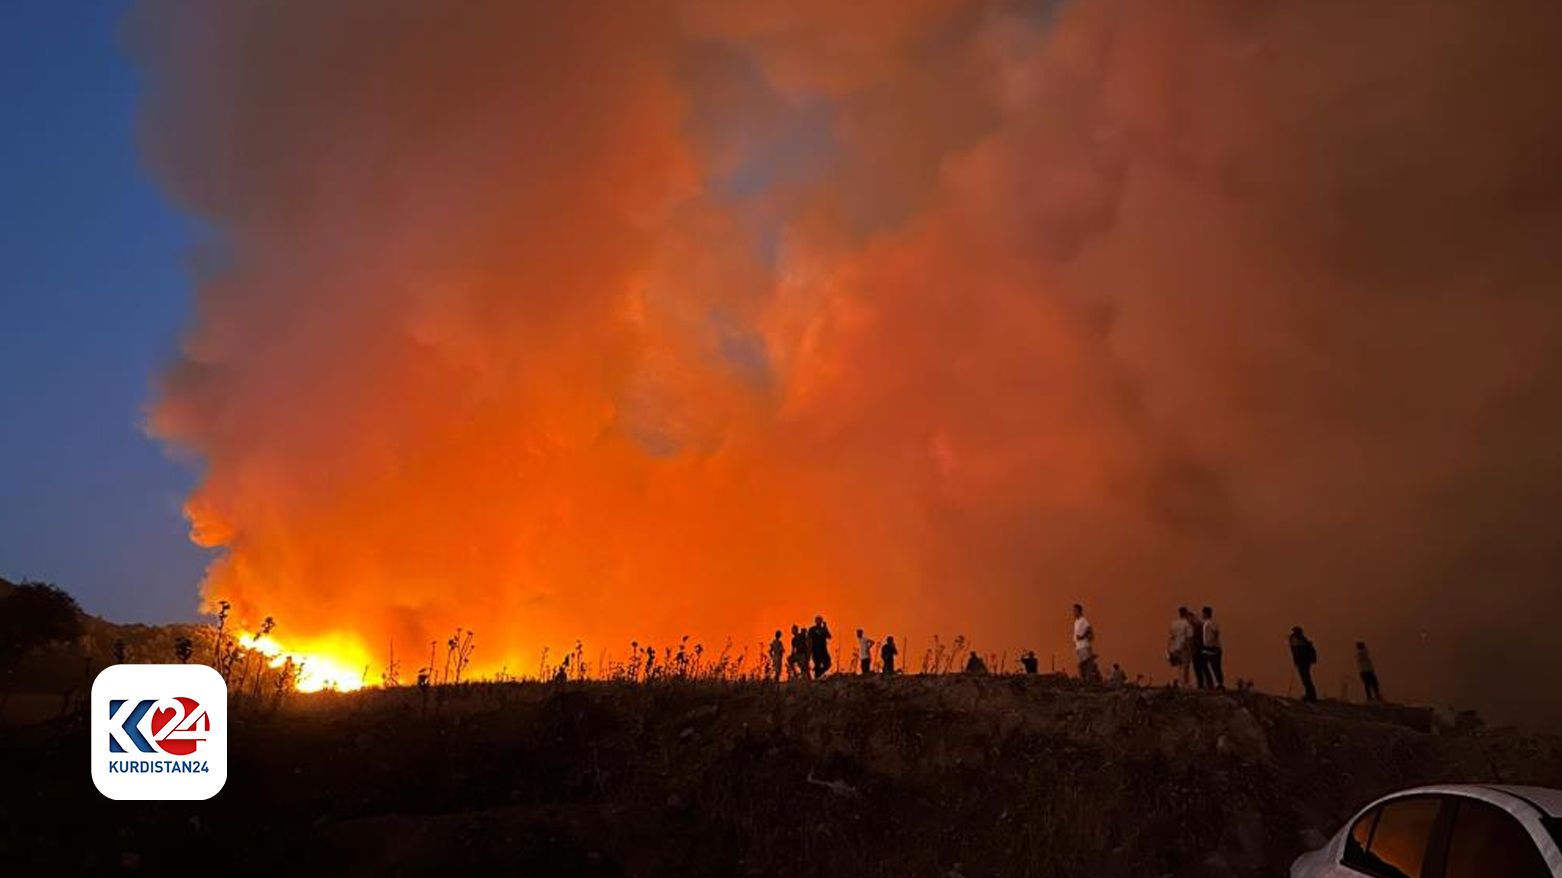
x: 1304, y: 655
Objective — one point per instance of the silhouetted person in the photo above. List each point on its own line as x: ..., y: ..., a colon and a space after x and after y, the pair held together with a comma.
x: 1179, y: 647
x: 1213, y: 653
x: 1029, y: 662
x: 864, y: 652
x: 1304, y: 655
x: 1117, y: 677
x: 887, y: 654
x: 819, y: 643
x: 799, y: 659
x: 1369, y: 675
x: 777, y: 655
x: 1085, y: 646
x: 1200, y: 664
x: 975, y: 665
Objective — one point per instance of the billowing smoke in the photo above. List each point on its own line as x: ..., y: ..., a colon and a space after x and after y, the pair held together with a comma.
x: 612, y: 321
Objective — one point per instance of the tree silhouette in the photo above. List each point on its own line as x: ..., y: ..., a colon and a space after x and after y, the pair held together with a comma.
x: 35, y: 614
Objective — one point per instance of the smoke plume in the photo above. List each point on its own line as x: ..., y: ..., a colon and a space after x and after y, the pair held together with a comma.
x: 622, y: 321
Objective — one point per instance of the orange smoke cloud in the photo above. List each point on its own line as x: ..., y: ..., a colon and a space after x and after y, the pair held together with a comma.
x: 610, y: 321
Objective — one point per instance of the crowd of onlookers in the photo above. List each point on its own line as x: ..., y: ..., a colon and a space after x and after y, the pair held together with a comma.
x: 808, y: 655
x: 1193, y: 649
x: 1196, y: 654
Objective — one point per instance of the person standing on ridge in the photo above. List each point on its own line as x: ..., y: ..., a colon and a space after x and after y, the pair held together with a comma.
x: 1200, y: 666
x: 1369, y: 674
x: 1029, y: 661
x: 1304, y: 655
x: 1085, y: 646
x: 864, y: 652
x: 975, y: 665
x: 777, y: 656
x: 799, y: 658
x: 887, y: 654
x: 1212, y: 649
x: 1179, y: 648
x: 819, y: 643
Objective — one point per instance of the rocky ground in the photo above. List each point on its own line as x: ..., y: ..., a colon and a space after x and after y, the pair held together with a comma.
x: 912, y: 776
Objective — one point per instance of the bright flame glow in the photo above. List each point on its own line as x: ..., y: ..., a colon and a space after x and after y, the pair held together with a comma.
x: 326, y: 663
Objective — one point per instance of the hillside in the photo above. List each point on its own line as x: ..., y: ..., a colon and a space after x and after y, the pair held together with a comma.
x: 50, y: 680
x: 913, y: 776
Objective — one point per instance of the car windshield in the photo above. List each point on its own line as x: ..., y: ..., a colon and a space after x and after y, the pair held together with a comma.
x: 1554, y: 824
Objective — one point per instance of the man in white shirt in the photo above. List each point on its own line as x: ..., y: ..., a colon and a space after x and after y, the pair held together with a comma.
x: 1212, y: 650
x: 1179, y: 647
x: 864, y: 652
x: 1085, y: 646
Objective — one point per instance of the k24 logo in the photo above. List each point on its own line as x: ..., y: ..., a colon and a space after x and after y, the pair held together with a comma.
x: 173, y: 725
x: 159, y: 732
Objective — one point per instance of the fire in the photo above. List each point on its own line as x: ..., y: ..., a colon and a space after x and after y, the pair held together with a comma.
x: 328, y: 663
x: 620, y: 323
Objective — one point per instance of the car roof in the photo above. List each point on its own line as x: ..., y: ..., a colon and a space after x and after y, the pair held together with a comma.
x: 1545, y: 800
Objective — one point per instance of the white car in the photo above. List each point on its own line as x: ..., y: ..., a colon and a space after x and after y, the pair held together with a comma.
x: 1463, y: 831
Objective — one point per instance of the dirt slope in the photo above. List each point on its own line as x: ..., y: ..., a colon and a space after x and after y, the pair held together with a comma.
x: 984, y: 776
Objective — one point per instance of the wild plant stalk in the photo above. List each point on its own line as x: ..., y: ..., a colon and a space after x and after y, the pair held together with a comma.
x: 450, y: 651
x: 937, y: 655
x: 222, y: 622
x: 266, y: 627
x: 681, y: 661
x: 285, y: 682
x: 719, y: 670
x: 230, y: 654
x: 424, y: 675
x: 464, y: 649
x: 392, y: 675
x: 954, y: 652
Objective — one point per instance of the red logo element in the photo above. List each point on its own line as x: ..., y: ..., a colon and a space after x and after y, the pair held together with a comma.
x: 179, y: 724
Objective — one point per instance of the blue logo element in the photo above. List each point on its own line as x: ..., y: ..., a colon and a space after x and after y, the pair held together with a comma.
x: 126, y: 722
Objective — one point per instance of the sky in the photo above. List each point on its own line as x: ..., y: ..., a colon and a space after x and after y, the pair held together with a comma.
x: 93, y: 294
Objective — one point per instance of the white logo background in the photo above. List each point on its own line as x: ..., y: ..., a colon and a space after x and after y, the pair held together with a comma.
x: 161, y: 683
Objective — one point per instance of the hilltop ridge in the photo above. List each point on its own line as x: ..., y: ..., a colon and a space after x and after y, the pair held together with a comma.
x: 948, y: 775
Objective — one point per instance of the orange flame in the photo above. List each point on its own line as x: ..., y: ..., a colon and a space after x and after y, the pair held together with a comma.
x: 332, y: 662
